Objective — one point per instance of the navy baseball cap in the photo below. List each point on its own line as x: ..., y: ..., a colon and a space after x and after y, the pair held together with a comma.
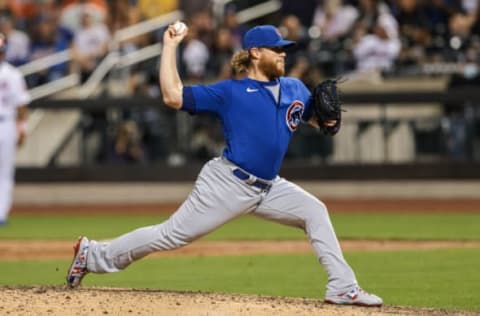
x: 264, y: 36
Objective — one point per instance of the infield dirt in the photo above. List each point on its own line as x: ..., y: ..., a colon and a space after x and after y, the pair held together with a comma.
x: 113, y: 301
x: 59, y: 300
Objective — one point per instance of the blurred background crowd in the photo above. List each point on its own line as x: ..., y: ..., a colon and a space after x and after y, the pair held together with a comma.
x: 391, y: 38
x: 395, y: 36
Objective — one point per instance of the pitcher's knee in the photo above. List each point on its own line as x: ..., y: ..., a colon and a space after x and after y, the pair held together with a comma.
x: 316, y: 213
x: 170, y: 235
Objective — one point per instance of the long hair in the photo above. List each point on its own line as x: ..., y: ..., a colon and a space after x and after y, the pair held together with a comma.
x: 240, y: 62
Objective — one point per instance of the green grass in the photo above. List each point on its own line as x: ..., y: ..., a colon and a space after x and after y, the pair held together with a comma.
x: 67, y: 227
x: 445, y: 226
x: 435, y: 278
x: 451, y: 226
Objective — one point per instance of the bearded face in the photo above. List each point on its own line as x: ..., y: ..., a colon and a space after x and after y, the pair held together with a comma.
x: 272, y: 63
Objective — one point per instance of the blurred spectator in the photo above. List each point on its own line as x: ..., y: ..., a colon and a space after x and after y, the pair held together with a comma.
x: 18, y: 48
x: 415, y: 34
x: 157, y: 127
x: 24, y: 11
x: 377, y: 43
x: 292, y: 29
x: 470, y: 6
x: 333, y: 19
x: 312, y: 76
x: 90, y: 44
x: 203, y: 23
x: 300, y: 68
x: 332, y: 25
x: 5, y: 8
x: 222, y: 51
x: 48, y: 38
x: 237, y: 30
x: 438, y: 13
x: 475, y: 27
x: 459, y: 28
x: 124, y: 13
x: 74, y: 10
x: 303, y: 10
x: 191, y: 8
x: 195, y: 49
x: 207, y: 141
x: 153, y: 8
x: 195, y: 56
x: 127, y: 146
x: 459, y: 119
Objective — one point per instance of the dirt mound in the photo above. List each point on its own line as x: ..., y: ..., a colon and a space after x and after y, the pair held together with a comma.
x: 110, y: 301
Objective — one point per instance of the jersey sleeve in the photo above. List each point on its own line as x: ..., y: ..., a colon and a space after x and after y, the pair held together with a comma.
x: 306, y: 96
x: 205, y: 98
x: 21, y: 96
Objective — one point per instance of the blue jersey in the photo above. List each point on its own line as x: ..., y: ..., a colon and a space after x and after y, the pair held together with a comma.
x: 257, y: 129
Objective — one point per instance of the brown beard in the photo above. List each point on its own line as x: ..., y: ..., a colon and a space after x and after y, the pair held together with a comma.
x: 270, y: 68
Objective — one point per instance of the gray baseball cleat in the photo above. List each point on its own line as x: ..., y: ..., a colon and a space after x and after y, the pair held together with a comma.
x: 78, y: 269
x: 356, y: 296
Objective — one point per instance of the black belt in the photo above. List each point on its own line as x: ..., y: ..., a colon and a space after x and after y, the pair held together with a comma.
x: 249, y: 179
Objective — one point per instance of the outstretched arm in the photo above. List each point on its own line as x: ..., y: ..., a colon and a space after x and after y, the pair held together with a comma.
x: 170, y: 83
x: 22, y: 113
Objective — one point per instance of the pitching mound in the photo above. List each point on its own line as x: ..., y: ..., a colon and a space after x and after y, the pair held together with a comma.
x: 113, y: 301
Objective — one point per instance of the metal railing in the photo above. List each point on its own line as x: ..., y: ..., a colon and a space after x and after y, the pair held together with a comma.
x: 259, y: 10
x: 105, y: 66
x: 113, y: 59
x: 45, y: 62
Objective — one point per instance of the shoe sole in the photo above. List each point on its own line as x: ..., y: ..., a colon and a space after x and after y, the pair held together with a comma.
x: 352, y: 304
x: 76, y: 250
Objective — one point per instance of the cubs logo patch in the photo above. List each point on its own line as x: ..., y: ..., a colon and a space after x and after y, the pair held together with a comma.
x: 294, y: 115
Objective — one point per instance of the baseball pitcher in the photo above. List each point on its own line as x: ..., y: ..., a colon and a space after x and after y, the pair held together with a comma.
x: 259, y: 112
x: 13, y: 100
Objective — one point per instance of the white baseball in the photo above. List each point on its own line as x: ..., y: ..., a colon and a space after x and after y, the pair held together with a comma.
x: 179, y: 27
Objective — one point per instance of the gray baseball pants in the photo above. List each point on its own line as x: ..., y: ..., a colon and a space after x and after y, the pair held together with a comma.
x: 218, y: 197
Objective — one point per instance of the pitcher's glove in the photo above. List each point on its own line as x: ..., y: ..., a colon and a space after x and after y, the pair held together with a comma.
x: 326, y: 106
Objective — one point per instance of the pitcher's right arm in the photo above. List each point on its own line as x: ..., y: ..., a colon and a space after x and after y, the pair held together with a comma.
x: 170, y: 83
